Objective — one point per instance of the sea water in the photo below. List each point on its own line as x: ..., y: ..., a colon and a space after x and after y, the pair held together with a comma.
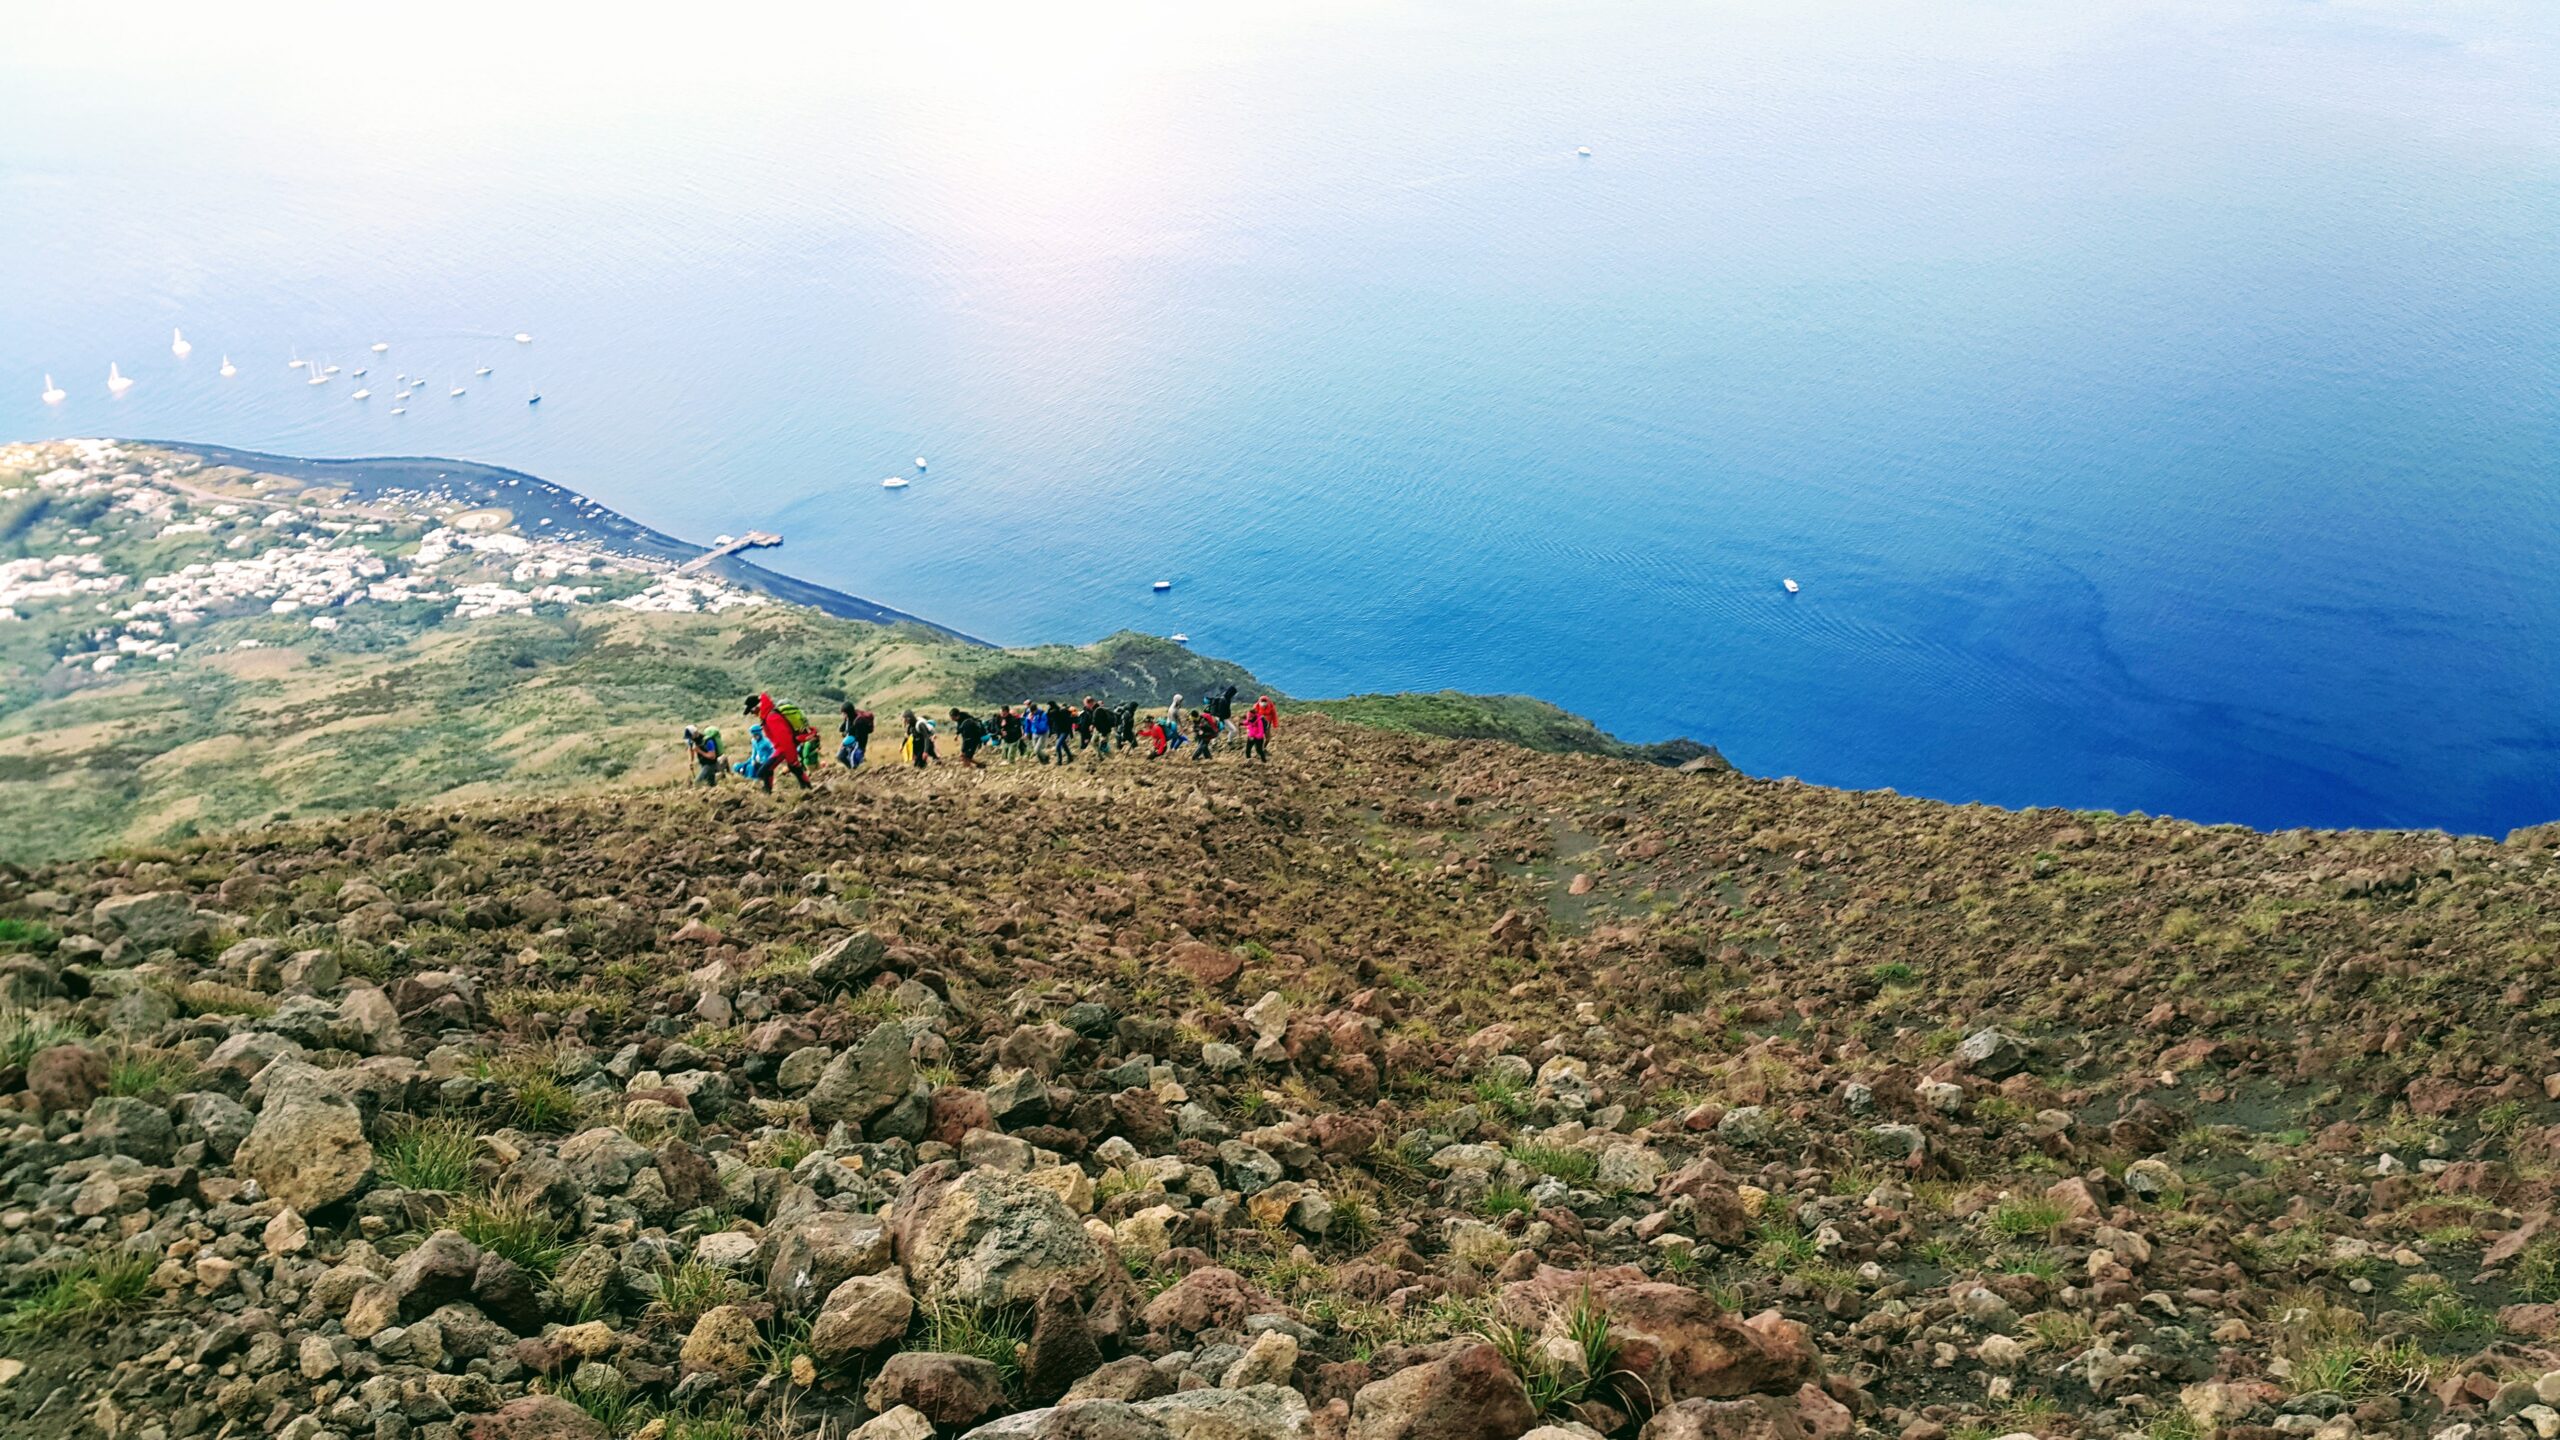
x: 2157, y: 403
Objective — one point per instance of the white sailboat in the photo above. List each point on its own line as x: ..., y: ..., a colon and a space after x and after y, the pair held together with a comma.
x: 178, y: 345
x: 54, y: 394
x: 229, y: 369
x: 117, y: 381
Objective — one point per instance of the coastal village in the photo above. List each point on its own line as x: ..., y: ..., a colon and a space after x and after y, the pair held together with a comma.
x: 146, y: 549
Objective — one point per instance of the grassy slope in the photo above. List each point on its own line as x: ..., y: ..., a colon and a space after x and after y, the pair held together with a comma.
x: 381, y: 714
x: 1521, y: 720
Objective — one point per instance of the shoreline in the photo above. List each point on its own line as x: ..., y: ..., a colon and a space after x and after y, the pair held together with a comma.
x: 572, y: 515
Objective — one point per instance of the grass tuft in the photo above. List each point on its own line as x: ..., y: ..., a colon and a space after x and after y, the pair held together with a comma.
x: 80, y: 1295
x: 23, y: 1033
x: 1573, y: 1167
x: 991, y: 1335
x: 518, y: 1229
x: 431, y: 1155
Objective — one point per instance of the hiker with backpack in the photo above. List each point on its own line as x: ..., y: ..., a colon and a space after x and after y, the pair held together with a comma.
x: 857, y: 727
x: 917, y: 748
x: 1126, y: 724
x: 1204, y: 731
x: 788, y: 730
x: 1035, y: 730
x: 1096, y: 722
x: 1223, y: 705
x: 1009, y: 732
x: 1270, y: 716
x: 1257, y: 735
x: 973, y: 733
x: 1062, y: 732
x: 759, y: 761
x: 704, y: 746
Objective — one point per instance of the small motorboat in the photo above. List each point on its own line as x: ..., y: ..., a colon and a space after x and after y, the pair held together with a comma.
x: 399, y: 409
x: 524, y: 337
x: 403, y: 395
x: 1179, y: 639
x: 1792, y: 586
x: 919, y: 462
x: 894, y: 482
x: 380, y: 346
x: 534, y: 399
x: 456, y: 392
x: 1582, y: 150
x: 54, y: 394
x: 361, y: 395
x: 1163, y: 585
x: 483, y: 370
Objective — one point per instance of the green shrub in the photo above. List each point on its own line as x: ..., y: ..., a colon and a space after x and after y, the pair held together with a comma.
x: 16, y: 934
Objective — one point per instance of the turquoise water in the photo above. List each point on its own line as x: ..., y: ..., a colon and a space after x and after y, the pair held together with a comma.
x: 2159, y: 404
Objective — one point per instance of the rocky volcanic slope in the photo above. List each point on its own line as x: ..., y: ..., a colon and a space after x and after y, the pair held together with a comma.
x: 1404, y: 1090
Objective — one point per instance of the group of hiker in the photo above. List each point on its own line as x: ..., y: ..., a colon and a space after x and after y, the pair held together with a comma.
x: 783, y: 741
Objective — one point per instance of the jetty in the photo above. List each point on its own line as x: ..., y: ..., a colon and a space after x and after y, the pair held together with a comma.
x: 725, y: 547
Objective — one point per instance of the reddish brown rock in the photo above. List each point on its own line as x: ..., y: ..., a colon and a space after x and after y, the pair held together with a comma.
x: 66, y: 1077
x: 534, y: 1417
x: 1471, y: 1394
x: 949, y: 1390
x: 1206, y: 964
x: 1209, y: 1298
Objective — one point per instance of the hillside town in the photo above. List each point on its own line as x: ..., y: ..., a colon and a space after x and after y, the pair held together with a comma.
x: 131, y: 552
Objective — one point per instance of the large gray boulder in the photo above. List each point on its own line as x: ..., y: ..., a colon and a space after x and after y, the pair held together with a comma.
x: 865, y: 1080
x: 848, y: 962
x: 816, y: 1254
x: 985, y: 1238
x: 155, y: 919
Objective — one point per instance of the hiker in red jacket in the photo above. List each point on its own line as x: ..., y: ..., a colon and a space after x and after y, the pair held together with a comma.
x: 785, y: 737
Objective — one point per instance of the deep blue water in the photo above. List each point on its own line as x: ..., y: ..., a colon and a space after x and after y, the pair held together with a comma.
x: 2159, y: 403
